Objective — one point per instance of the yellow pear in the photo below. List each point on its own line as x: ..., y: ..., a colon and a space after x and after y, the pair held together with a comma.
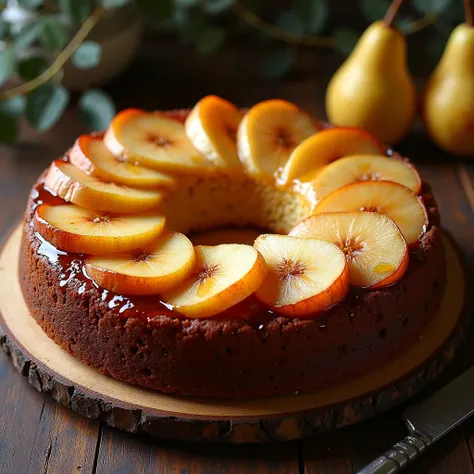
x: 373, y: 88
x: 448, y: 106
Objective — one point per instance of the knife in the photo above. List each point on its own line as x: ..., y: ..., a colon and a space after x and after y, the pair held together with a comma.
x: 428, y: 421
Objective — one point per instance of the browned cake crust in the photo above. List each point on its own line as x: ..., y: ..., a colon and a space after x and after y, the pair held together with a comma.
x: 238, y: 357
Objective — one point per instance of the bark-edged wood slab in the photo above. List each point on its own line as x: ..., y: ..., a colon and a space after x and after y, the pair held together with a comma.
x: 53, y: 371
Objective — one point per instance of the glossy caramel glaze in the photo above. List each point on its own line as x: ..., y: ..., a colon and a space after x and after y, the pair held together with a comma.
x: 71, y: 266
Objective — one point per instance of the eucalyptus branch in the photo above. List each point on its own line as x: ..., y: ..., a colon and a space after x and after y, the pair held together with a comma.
x: 61, y: 59
x: 418, y: 25
x: 256, y: 22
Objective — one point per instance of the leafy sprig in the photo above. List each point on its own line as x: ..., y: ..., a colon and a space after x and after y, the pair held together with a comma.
x: 305, y: 24
x: 34, y: 50
x: 38, y: 37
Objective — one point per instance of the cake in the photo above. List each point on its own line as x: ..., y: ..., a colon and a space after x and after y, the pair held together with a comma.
x: 346, y: 273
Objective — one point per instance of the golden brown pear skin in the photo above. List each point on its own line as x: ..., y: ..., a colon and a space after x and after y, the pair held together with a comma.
x: 448, y: 105
x: 373, y: 88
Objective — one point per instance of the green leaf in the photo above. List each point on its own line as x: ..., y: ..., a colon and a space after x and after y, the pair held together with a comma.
x: 375, y: 9
x: 187, y: 3
x: 78, y: 10
x: 87, y: 55
x: 210, y: 40
x: 180, y: 17
x: 157, y: 10
x: 278, y: 63
x: 32, y: 67
x: 345, y: 39
x: 27, y: 35
x: 45, y: 106
x: 191, y: 24
x: 97, y: 109
x: 404, y: 23
x: 215, y: 7
x: 431, y: 6
x: 30, y: 3
x: 8, y: 129
x: 252, y: 5
x: 114, y: 3
x: 313, y: 14
x: 53, y: 34
x: 455, y: 14
x: 14, y: 107
x: 4, y: 29
x: 7, y: 64
x: 290, y: 21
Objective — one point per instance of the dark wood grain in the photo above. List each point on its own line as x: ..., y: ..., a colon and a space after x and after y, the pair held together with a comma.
x: 464, y: 226
x: 72, y: 441
x: 468, y: 429
x: 39, y: 436
x: 22, y: 415
x: 189, y: 458
x: 328, y: 454
x: 451, y: 455
x: 455, y: 209
x: 36, y: 434
x: 368, y: 440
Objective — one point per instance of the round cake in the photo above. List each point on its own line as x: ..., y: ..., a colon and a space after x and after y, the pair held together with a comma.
x: 346, y: 272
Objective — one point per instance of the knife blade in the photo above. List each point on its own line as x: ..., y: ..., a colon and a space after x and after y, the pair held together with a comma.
x: 428, y: 421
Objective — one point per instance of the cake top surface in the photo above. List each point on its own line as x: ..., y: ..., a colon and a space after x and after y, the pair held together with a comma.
x: 344, y: 210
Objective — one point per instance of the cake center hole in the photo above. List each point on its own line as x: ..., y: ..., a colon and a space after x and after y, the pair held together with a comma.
x: 227, y: 235
x: 214, y: 210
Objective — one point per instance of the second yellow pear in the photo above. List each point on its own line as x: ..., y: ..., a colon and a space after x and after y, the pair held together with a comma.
x: 448, y: 106
x: 373, y: 88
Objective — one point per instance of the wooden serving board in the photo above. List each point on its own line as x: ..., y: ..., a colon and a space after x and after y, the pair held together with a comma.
x: 52, y: 370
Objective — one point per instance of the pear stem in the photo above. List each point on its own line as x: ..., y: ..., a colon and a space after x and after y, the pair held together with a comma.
x: 392, y: 12
x: 468, y: 10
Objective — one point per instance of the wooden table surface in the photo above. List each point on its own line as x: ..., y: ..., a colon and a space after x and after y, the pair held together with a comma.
x: 39, y: 436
